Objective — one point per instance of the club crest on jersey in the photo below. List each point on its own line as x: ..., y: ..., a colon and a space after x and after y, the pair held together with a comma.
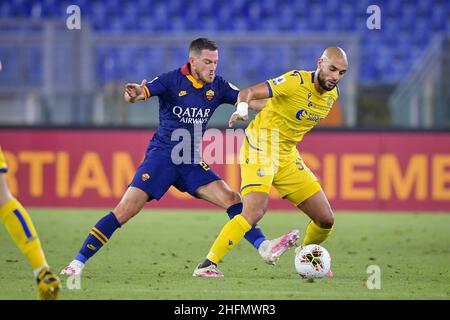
x: 145, y: 177
x: 182, y: 93
x: 330, y: 101
x: 210, y: 94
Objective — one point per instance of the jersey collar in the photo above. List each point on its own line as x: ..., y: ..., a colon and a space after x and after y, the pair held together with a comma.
x: 186, y: 71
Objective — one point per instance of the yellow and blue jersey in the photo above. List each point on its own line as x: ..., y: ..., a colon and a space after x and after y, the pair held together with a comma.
x: 294, y: 108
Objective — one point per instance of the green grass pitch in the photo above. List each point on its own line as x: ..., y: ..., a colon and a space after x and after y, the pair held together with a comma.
x: 154, y: 254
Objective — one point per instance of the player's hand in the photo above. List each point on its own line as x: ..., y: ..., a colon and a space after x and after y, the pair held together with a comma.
x: 134, y: 92
x: 235, y: 116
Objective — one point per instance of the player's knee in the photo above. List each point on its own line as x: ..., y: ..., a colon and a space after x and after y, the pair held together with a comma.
x: 232, y: 198
x: 253, y: 213
x: 5, y: 194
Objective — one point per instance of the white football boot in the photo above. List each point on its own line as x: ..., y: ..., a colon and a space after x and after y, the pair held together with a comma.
x: 271, y: 250
x: 210, y: 271
x: 75, y: 268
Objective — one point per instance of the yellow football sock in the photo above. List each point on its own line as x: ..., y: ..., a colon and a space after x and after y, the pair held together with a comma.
x: 315, y: 234
x: 233, y: 231
x: 21, y: 228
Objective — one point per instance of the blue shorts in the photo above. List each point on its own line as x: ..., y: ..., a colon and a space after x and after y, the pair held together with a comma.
x: 157, y: 173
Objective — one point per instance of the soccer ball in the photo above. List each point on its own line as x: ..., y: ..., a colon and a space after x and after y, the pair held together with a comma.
x: 312, y: 261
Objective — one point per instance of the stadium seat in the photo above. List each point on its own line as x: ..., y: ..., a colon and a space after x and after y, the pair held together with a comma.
x: 34, y: 67
x: 5, y: 10
x: 400, y: 20
x: 10, y: 71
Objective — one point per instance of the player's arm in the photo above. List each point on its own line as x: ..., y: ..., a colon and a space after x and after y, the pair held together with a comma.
x: 254, y: 97
x: 257, y: 105
x: 135, y: 92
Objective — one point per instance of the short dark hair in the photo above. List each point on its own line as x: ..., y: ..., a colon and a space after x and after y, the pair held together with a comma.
x: 199, y: 44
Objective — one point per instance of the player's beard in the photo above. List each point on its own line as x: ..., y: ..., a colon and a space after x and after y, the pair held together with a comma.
x: 204, y: 78
x: 207, y: 78
x: 323, y: 84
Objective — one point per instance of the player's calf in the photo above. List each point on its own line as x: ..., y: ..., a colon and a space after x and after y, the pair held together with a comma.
x: 326, y: 221
x: 96, y: 239
x: 131, y: 204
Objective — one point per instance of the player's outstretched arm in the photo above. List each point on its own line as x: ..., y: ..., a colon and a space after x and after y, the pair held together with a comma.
x: 246, y: 96
x: 134, y: 92
x: 257, y: 105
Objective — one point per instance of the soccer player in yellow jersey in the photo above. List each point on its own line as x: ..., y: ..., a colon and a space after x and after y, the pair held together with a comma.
x: 297, y: 101
x: 21, y: 228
